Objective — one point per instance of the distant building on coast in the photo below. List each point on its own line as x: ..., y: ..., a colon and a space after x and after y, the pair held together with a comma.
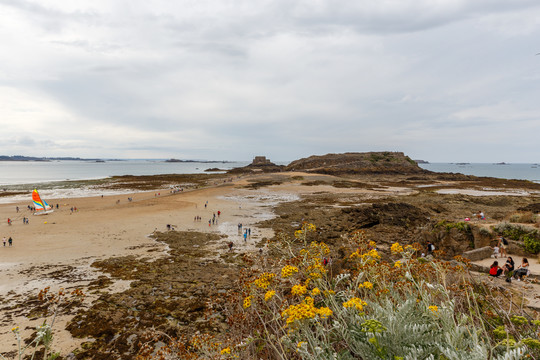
x: 261, y: 160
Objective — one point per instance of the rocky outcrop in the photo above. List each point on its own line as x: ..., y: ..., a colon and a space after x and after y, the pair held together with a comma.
x: 259, y: 164
x: 478, y: 254
x: 534, y: 208
x: 358, y: 163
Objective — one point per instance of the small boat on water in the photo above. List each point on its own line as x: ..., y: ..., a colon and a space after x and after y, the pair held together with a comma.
x: 41, y: 206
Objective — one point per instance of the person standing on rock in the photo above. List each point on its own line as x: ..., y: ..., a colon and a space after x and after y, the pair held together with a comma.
x: 430, y: 248
x: 502, y: 246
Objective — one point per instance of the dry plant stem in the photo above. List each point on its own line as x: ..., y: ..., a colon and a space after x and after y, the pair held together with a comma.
x: 268, y: 336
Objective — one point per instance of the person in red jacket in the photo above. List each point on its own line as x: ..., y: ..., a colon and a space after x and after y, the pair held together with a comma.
x: 495, y: 269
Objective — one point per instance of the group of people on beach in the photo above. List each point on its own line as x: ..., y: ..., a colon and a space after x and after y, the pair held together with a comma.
x: 509, y: 269
x: 9, y: 241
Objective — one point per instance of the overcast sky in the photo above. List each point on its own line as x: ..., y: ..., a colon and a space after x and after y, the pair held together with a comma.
x: 440, y: 80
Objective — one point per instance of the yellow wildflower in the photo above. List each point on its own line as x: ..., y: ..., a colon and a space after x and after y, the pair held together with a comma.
x: 315, y: 292
x: 298, y: 290
x: 227, y: 350
x: 300, y: 344
x: 15, y: 329
x: 304, y: 310
x: 298, y: 234
x: 396, y: 248
x: 398, y: 264
x: 247, y: 301
x: 433, y: 308
x: 264, y: 280
x: 372, y: 254
x: 372, y: 243
x: 288, y: 271
x: 269, y: 294
x: 366, y: 285
x: 355, y: 302
x: 324, y: 312
x: 328, y: 292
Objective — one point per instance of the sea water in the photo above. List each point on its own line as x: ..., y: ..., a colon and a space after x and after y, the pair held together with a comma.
x: 504, y: 171
x: 52, y: 177
x: 35, y: 172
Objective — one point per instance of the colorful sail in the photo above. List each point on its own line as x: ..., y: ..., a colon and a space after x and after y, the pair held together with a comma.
x: 40, y: 205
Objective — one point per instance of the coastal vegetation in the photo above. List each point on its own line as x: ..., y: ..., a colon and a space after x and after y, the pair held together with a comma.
x: 301, y: 306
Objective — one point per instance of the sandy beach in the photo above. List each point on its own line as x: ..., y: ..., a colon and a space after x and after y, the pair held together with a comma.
x: 68, y: 242
x: 102, y: 228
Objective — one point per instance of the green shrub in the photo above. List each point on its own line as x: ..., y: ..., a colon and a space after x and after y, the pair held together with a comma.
x: 523, y: 217
x: 515, y: 232
x: 531, y: 243
x: 447, y: 225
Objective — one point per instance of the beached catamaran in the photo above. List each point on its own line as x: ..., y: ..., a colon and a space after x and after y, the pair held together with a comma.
x: 41, y: 206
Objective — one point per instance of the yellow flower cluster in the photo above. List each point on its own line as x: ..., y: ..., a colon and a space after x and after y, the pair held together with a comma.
x: 298, y: 234
x: 304, y: 310
x: 434, y: 309
x: 366, y: 285
x: 298, y: 290
x: 329, y: 292
x: 396, y: 248
x: 321, y: 248
x: 370, y: 255
x: 355, y: 302
x: 288, y: 270
x: 315, y: 292
x: 372, y: 244
x: 269, y: 294
x: 398, y: 264
x: 227, y: 350
x: 316, y: 270
x: 264, y: 280
x: 247, y: 301
x: 324, y: 312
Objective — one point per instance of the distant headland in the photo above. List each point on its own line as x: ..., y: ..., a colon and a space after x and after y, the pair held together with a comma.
x: 198, y: 161
x: 36, y: 158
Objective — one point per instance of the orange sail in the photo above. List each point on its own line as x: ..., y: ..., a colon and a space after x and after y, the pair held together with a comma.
x: 41, y: 205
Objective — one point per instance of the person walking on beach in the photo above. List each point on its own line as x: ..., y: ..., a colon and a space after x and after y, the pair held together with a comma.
x: 245, y: 236
x: 4, y: 239
x: 10, y: 241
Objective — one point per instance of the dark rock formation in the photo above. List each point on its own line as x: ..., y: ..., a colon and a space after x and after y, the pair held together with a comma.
x: 259, y: 164
x: 535, y: 208
x: 358, y: 163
